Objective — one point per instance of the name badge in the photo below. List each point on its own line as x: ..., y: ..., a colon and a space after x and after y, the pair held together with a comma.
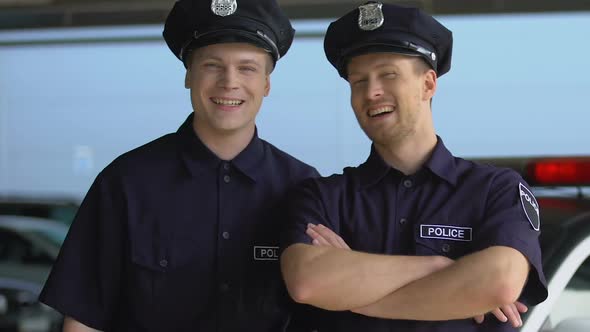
x: 266, y: 253
x: 446, y: 232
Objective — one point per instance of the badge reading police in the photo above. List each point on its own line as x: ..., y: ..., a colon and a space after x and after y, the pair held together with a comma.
x: 530, y: 206
x: 371, y: 16
x: 224, y: 7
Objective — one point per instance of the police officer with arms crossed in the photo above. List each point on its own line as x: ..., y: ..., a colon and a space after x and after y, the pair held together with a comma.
x: 435, y: 239
x: 182, y: 233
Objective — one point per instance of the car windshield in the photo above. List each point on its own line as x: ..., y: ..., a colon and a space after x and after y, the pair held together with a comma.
x: 45, y: 231
x: 55, y: 237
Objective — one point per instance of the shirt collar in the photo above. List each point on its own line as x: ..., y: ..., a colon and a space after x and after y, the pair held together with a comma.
x: 441, y: 163
x: 372, y: 170
x: 198, y: 158
x: 250, y: 160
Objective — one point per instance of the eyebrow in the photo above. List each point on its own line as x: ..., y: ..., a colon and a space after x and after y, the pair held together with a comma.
x: 241, y: 61
x: 379, y: 66
x: 250, y: 61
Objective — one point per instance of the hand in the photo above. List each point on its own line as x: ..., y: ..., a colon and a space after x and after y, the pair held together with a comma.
x: 323, y: 236
x: 507, y: 313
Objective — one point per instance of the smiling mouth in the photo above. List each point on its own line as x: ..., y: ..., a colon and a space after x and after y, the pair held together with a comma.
x: 227, y: 102
x: 377, y: 112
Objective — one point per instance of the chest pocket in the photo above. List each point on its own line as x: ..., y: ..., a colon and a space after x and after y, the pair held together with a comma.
x: 164, y: 271
x: 442, y: 239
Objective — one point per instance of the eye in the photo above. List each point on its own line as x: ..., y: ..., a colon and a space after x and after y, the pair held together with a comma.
x: 358, y: 82
x: 250, y: 69
x: 211, y: 65
x: 390, y: 75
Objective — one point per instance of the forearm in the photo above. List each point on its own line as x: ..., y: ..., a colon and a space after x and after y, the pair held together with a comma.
x: 72, y: 325
x: 338, y: 279
x: 473, y: 285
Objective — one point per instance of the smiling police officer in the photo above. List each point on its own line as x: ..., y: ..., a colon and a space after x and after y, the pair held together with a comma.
x: 181, y: 234
x: 414, y: 239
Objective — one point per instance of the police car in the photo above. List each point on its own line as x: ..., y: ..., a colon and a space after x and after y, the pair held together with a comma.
x: 562, y: 189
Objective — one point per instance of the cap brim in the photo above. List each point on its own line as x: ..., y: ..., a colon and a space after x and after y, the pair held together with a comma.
x: 376, y: 48
x: 230, y: 36
x: 366, y: 48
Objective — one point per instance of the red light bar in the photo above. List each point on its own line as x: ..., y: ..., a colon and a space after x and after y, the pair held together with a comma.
x: 559, y: 172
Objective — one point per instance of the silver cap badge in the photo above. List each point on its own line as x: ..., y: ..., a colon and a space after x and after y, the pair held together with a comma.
x: 224, y: 7
x: 371, y: 16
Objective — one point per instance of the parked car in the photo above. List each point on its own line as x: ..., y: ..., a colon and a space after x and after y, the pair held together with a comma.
x: 562, y: 188
x: 20, y: 310
x: 60, y: 209
x: 28, y: 248
x: 29, y: 240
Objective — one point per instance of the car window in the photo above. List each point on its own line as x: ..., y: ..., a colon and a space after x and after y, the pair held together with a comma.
x: 54, y: 237
x: 16, y: 249
x: 13, y: 248
x: 62, y: 213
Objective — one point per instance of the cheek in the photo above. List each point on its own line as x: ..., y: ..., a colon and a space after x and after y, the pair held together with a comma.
x: 258, y: 88
x: 194, y: 82
x: 355, y: 99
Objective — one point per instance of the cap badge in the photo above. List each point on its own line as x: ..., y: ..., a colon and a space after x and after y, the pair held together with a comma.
x: 371, y: 16
x: 224, y: 7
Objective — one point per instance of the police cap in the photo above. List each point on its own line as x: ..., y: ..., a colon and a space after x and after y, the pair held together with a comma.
x: 375, y: 27
x: 197, y: 23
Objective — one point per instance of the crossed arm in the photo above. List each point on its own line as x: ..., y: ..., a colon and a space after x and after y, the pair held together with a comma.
x: 72, y: 325
x: 405, y: 287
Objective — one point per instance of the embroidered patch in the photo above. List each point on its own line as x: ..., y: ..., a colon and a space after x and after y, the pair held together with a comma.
x: 224, y: 7
x: 371, y: 16
x: 266, y: 253
x: 530, y: 206
x: 442, y: 232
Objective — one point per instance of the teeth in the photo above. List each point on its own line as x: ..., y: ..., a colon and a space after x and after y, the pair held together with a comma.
x: 381, y: 110
x: 227, y: 102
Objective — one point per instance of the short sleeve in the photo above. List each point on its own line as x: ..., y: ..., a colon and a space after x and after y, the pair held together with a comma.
x: 512, y: 220
x: 303, y: 205
x: 85, y: 279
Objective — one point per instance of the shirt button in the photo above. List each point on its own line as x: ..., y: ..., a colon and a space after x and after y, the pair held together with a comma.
x: 446, y: 248
x: 224, y: 287
x: 226, y: 166
x: 408, y: 184
x: 226, y: 179
x: 163, y: 263
x: 225, y: 235
x: 403, y: 221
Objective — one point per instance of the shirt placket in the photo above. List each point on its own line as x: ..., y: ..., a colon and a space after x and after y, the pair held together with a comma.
x: 404, y: 217
x: 225, y: 280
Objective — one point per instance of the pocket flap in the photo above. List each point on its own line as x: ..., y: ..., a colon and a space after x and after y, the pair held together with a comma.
x: 145, y: 249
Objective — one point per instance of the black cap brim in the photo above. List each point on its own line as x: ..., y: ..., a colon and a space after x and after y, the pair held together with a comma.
x: 228, y: 36
x: 367, y: 48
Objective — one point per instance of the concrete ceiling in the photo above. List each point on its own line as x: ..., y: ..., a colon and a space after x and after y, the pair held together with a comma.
x: 18, y: 14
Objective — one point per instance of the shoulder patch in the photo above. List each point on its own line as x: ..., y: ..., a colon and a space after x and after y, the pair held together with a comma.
x: 530, y: 206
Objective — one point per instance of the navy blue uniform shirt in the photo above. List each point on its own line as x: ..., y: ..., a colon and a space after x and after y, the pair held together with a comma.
x: 171, y: 238
x: 451, y: 207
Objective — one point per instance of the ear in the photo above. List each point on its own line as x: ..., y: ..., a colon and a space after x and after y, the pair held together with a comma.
x: 430, y: 80
x: 187, y: 79
x: 267, y: 86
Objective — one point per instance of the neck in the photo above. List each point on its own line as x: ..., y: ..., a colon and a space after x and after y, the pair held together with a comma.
x: 225, y: 145
x: 409, y: 154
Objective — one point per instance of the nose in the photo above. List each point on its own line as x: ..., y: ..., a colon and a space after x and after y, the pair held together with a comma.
x: 374, y: 89
x: 229, y: 79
